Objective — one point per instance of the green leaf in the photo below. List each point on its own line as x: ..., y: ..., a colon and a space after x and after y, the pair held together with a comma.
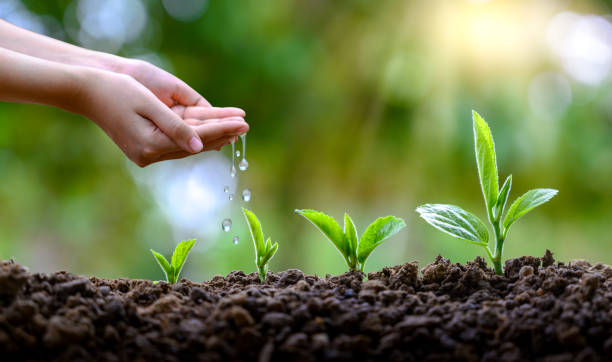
x: 329, y: 227
x: 268, y: 244
x: 163, y: 263
x: 180, y: 256
x: 527, y: 202
x: 500, y: 204
x: 485, y: 160
x: 350, y: 233
x: 270, y: 253
x: 378, y: 231
x: 256, y: 233
x: 455, y: 221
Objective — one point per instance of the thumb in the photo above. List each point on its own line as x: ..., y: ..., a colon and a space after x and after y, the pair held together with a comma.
x: 174, y: 127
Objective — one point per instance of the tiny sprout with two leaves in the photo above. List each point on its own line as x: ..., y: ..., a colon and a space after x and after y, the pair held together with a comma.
x: 466, y: 226
x: 355, y: 251
x: 173, y: 269
x: 263, y: 251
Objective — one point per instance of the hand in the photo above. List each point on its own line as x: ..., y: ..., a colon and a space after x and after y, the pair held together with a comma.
x: 168, y: 88
x: 145, y: 129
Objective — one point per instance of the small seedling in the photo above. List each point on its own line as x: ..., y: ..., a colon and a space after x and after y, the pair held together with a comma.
x: 461, y: 224
x: 173, y: 269
x: 355, y: 251
x: 263, y: 251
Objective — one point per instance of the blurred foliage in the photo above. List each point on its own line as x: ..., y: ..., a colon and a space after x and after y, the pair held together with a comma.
x: 359, y: 106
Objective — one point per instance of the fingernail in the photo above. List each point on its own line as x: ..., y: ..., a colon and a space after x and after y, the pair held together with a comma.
x: 195, y: 144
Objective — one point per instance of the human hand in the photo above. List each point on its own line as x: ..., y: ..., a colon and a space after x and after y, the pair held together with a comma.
x: 169, y: 89
x: 146, y: 129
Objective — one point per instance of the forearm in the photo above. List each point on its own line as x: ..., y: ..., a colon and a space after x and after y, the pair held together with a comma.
x: 27, y: 79
x: 40, y: 46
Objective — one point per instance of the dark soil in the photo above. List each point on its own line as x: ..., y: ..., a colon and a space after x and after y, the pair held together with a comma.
x: 537, y: 311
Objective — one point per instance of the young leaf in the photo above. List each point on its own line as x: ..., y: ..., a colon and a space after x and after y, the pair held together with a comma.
x: 350, y: 233
x: 269, y: 253
x: 485, y: 160
x: 180, y: 256
x: 163, y: 263
x: 329, y: 227
x: 455, y: 221
x: 381, y: 229
x: 527, y: 202
x: 256, y: 233
x: 500, y: 204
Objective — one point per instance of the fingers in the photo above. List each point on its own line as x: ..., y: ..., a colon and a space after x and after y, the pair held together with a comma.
x: 203, y: 113
x: 215, y: 145
x: 215, y: 130
x: 198, y: 122
x: 185, y: 95
x: 209, y: 133
x: 172, y: 125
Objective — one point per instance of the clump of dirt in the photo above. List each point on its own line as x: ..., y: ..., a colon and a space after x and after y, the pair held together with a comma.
x: 537, y: 311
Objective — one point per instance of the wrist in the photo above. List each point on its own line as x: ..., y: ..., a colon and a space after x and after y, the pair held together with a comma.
x: 77, y: 98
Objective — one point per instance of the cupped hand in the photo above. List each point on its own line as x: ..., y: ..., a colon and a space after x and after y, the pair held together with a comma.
x: 148, y: 130
x: 168, y: 88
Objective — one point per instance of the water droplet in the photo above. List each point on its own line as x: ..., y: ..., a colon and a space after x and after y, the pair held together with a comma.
x: 246, y: 195
x: 243, y: 140
x: 226, y: 189
x: 243, y: 165
x: 237, y: 153
x: 226, y: 225
x: 236, y: 240
x: 230, y: 197
x: 233, y: 168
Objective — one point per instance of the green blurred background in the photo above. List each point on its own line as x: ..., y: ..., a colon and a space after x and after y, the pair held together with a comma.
x: 359, y: 106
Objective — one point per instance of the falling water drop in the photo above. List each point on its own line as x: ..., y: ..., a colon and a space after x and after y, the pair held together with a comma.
x: 233, y: 168
x: 226, y: 225
x: 237, y: 153
x: 230, y: 197
x: 226, y: 189
x: 246, y: 195
x: 243, y: 165
x: 236, y: 240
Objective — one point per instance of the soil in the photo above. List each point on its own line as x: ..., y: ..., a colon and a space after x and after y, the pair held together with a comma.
x: 537, y: 311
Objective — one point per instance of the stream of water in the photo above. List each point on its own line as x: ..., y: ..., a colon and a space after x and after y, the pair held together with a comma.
x: 243, y: 165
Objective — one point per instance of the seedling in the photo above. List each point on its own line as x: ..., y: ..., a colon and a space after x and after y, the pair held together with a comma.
x: 263, y: 251
x: 355, y: 251
x: 173, y: 269
x: 461, y: 224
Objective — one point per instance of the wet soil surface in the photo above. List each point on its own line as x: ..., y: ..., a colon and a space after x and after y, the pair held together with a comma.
x: 537, y: 311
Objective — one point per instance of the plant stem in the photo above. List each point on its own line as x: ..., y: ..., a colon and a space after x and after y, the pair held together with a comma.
x: 262, y: 273
x: 499, y: 247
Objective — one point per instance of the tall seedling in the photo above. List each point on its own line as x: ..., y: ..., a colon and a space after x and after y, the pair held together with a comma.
x: 466, y: 226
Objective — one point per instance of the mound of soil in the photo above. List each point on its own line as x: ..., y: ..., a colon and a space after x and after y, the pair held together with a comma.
x: 537, y: 311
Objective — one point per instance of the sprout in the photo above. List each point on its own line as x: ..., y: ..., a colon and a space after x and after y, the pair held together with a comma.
x: 463, y: 225
x: 173, y: 269
x: 354, y: 251
x: 263, y: 251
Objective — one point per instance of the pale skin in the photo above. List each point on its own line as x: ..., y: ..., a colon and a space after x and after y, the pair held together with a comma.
x: 149, y: 113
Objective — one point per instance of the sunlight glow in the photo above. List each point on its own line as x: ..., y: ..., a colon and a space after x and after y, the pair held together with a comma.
x: 584, y: 45
x: 107, y: 25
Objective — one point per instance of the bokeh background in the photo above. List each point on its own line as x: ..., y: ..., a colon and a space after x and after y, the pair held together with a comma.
x: 360, y: 106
